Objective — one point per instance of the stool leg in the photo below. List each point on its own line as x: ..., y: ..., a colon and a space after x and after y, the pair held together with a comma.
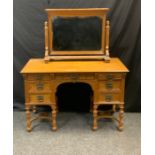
x: 95, y: 107
x: 120, y: 117
x: 28, y: 118
x: 54, y: 113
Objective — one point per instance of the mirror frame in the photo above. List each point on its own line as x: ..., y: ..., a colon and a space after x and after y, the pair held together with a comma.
x: 51, y: 54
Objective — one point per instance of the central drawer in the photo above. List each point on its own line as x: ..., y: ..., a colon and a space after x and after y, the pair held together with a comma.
x: 75, y: 76
x: 40, y: 98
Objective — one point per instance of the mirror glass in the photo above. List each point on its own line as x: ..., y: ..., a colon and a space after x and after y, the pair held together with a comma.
x: 76, y: 34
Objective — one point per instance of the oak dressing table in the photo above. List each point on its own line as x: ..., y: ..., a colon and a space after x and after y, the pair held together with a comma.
x: 106, y: 80
x: 105, y: 75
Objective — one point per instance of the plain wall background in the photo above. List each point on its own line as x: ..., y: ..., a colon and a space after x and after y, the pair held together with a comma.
x: 125, y: 40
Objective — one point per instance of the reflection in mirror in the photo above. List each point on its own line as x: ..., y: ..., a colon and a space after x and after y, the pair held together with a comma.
x: 74, y: 33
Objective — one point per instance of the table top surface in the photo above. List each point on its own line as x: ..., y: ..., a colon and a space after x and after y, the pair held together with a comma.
x: 39, y: 66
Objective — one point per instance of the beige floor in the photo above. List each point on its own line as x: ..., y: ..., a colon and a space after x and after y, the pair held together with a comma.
x: 75, y: 136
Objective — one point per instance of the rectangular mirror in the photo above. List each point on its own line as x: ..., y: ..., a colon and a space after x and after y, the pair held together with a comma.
x: 76, y: 32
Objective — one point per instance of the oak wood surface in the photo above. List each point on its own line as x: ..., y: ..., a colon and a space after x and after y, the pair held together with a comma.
x: 107, y: 81
x: 38, y: 66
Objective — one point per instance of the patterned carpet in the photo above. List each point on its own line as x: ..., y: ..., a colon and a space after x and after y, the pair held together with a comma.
x: 75, y: 137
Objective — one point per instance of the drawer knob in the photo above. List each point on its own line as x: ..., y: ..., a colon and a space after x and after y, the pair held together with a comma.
x: 40, y: 86
x: 40, y: 98
x: 108, y: 98
x: 109, y: 77
x: 109, y: 85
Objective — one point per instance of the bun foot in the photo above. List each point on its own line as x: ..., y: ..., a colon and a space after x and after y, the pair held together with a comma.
x: 120, y: 128
x: 29, y: 129
x: 54, y: 128
x: 94, y: 128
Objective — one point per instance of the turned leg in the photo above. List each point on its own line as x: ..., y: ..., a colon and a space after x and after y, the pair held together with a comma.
x: 34, y: 109
x: 95, y: 117
x: 28, y: 118
x: 54, y: 112
x: 120, y: 117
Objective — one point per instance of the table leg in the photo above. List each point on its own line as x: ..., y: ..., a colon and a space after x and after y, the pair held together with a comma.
x: 114, y: 108
x: 95, y: 107
x: 54, y: 113
x: 34, y: 109
x: 28, y: 118
x: 120, y: 117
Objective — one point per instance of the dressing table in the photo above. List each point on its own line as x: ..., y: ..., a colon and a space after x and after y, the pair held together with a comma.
x: 105, y: 75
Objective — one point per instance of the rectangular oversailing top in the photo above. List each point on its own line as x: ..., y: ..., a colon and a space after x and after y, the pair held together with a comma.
x: 39, y: 66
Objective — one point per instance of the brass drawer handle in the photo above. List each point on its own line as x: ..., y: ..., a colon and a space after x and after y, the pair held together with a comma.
x: 109, y: 85
x: 40, y: 86
x: 74, y: 76
x: 109, y: 77
x: 40, y: 98
x: 108, y: 98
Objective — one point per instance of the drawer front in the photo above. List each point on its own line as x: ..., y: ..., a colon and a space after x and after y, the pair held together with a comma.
x: 109, y: 76
x: 109, y: 97
x: 39, y: 86
x: 114, y: 85
x: 40, y: 98
x: 62, y: 76
x: 75, y: 76
x: 87, y: 76
x: 38, y: 77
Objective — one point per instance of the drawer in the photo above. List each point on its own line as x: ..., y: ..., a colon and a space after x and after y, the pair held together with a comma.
x: 61, y: 76
x: 40, y: 98
x: 109, y: 97
x: 86, y: 76
x: 39, y: 77
x: 109, y: 76
x: 75, y: 76
x: 39, y: 86
x: 114, y: 85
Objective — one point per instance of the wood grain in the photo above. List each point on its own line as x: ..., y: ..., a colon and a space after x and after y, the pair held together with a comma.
x: 38, y: 66
x: 107, y: 81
